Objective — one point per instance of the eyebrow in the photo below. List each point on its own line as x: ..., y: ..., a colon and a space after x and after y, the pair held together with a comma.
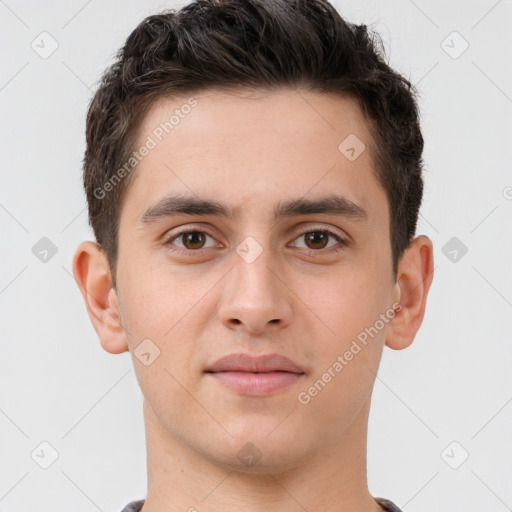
x: 171, y: 206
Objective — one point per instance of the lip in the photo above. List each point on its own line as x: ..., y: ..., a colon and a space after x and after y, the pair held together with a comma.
x: 255, y: 364
x: 255, y: 375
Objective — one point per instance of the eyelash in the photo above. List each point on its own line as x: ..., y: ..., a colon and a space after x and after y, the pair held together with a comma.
x: 342, y: 243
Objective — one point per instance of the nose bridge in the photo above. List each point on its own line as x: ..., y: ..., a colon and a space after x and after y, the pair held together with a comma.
x: 254, y: 295
x: 254, y: 278
x: 254, y: 283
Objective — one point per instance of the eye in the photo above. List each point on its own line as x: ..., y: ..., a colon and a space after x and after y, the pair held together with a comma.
x: 319, y: 239
x: 195, y: 241
x: 192, y: 240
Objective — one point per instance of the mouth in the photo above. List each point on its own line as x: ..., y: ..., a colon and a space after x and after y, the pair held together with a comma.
x: 255, y: 376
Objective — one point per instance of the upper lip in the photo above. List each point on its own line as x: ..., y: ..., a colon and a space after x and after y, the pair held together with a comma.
x: 261, y: 364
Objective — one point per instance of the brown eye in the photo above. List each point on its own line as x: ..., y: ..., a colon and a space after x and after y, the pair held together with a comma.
x: 316, y: 239
x: 321, y: 241
x: 193, y: 239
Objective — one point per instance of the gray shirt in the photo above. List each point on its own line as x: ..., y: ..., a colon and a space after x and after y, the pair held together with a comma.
x: 386, y: 505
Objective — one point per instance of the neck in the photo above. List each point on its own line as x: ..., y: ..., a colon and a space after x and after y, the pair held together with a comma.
x: 179, y: 479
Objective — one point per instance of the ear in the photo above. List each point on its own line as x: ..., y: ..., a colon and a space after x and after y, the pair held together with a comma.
x: 92, y: 274
x: 414, y: 277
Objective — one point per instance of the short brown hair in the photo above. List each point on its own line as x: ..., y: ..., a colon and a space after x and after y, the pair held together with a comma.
x: 258, y: 44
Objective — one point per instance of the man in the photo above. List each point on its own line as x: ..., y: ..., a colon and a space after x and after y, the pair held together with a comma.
x: 253, y: 176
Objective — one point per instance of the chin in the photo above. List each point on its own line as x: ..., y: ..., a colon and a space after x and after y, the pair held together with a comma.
x: 259, y: 450
x: 263, y: 462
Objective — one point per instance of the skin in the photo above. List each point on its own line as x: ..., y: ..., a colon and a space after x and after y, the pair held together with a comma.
x: 251, y: 152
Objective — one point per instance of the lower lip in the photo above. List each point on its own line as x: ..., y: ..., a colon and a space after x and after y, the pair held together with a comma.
x: 256, y: 384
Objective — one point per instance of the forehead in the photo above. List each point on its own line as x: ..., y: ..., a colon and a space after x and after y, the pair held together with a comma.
x: 253, y: 148
x: 220, y: 118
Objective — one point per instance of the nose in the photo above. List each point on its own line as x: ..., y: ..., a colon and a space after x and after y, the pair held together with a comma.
x: 254, y: 298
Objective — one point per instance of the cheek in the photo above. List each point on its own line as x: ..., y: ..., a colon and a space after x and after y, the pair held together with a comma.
x: 155, y: 299
x: 163, y: 337
x: 348, y: 351
x: 341, y: 388
x: 344, y: 303
x: 165, y: 315
x: 348, y: 344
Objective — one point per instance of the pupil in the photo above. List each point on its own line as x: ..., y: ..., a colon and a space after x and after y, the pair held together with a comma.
x: 196, y: 238
x: 317, y: 236
x: 190, y: 237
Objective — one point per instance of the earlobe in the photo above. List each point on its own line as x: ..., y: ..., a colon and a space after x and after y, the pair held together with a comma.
x: 92, y: 274
x: 415, y: 274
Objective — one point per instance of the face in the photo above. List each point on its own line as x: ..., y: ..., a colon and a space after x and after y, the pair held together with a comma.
x: 278, y: 246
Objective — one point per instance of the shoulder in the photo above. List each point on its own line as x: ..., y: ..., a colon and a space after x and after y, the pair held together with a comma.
x: 387, y: 505
x: 134, y: 506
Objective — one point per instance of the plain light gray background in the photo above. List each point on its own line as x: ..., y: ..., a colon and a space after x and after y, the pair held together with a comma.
x: 57, y: 385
